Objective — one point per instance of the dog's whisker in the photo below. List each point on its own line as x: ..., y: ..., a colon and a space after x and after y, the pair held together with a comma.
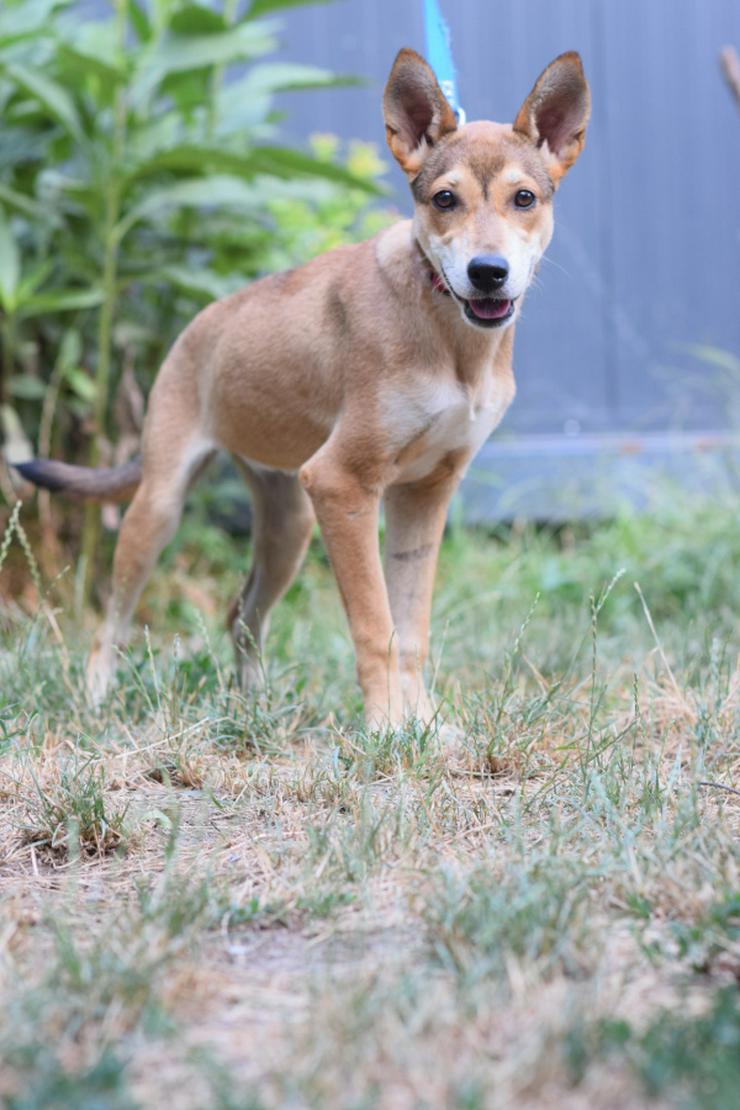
x: 557, y: 265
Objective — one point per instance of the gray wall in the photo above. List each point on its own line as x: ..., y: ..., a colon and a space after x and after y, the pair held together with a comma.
x: 644, y: 262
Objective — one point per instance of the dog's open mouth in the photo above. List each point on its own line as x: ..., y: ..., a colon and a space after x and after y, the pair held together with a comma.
x: 484, y: 312
x: 489, y: 312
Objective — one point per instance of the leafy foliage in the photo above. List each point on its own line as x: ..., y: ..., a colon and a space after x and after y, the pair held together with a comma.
x: 139, y: 179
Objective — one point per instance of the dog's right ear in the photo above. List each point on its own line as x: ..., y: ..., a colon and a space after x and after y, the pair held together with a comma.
x: 415, y: 110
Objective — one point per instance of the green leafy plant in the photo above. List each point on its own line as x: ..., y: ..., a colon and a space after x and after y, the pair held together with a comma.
x: 137, y: 160
x: 330, y: 216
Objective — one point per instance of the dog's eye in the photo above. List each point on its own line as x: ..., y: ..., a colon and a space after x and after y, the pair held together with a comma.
x: 524, y: 199
x: 444, y: 200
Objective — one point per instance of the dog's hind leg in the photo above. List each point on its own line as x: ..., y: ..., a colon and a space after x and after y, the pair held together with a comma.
x: 149, y: 524
x: 282, y: 520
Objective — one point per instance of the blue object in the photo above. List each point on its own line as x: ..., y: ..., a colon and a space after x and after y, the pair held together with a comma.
x: 439, y: 55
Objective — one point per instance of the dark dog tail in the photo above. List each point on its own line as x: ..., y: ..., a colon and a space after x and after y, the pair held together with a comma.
x: 85, y: 483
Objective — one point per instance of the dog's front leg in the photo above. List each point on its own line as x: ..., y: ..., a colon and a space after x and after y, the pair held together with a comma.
x: 415, y: 517
x: 347, y: 510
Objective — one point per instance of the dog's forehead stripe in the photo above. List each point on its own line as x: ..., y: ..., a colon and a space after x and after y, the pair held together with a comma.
x: 485, y: 160
x: 512, y: 174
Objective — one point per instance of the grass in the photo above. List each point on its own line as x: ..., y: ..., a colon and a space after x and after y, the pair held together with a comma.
x: 237, y: 901
x: 72, y: 815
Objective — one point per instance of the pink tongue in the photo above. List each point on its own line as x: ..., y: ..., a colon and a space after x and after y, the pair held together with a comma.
x: 490, y: 309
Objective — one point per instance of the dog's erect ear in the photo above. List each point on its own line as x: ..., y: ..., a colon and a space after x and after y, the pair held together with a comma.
x: 556, y: 113
x: 415, y: 110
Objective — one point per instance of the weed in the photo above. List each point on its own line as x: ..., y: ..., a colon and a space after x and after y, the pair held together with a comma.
x: 51, y: 1086
x: 72, y: 816
x: 711, y: 940
x: 376, y: 753
x: 348, y: 846
x: 537, y: 913
x: 693, y: 1059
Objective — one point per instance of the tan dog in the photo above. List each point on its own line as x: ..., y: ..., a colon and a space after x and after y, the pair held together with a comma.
x: 374, y: 372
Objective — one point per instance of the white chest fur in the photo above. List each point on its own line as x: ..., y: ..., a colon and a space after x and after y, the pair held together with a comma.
x: 448, y: 420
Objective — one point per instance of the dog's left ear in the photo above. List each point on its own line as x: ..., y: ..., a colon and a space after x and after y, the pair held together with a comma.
x: 416, y: 111
x: 556, y: 113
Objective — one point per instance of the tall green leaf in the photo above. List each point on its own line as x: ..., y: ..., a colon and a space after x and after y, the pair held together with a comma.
x: 196, y: 19
x: 62, y: 300
x: 27, y: 387
x: 140, y: 20
x: 22, y: 20
x: 272, y: 77
x: 194, y: 160
x: 261, y: 7
x: 176, y: 52
x: 33, y: 277
x: 199, y: 193
x: 10, y: 265
x: 284, y: 161
x: 57, y: 101
x: 280, y: 161
x: 199, y: 280
x: 109, y: 69
x: 25, y: 205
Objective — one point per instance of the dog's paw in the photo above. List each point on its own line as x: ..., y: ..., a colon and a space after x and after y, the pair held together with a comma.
x: 454, y: 747
x: 450, y: 736
x: 98, y: 675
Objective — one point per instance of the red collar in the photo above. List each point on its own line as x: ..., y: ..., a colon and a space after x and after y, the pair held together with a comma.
x: 437, y: 283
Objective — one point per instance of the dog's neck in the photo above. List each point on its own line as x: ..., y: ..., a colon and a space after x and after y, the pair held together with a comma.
x: 435, y: 278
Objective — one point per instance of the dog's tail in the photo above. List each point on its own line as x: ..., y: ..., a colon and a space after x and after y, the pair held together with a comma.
x: 84, y: 483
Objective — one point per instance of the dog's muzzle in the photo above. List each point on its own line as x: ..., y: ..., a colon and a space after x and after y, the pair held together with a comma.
x: 484, y: 312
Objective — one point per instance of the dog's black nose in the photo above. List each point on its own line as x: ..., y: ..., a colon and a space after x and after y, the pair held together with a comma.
x: 488, y: 272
